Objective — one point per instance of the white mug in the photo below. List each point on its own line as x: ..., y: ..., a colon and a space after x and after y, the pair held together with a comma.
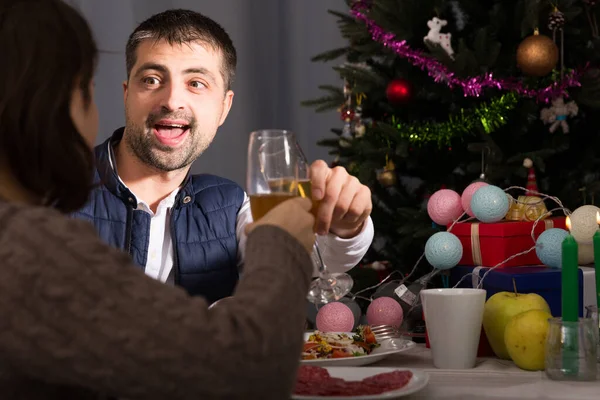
x: 453, y: 320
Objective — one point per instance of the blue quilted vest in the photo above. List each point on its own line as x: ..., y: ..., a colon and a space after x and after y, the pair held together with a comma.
x: 203, y: 222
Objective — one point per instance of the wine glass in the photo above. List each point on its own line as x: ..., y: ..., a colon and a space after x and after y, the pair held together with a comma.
x: 328, y: 286
x: 277, y: 171
x: 272, y: 173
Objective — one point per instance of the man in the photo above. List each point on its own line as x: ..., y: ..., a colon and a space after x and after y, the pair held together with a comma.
x: 189, y: 229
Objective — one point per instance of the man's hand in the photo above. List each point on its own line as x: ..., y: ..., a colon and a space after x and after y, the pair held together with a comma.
x: 345, y: 202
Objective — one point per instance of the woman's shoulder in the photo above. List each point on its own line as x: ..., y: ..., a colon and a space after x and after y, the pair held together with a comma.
x: 34, y: 220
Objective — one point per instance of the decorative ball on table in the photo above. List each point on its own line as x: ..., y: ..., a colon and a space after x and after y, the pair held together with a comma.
x: 312, y: 309
x: 548, y: 247
x: 443, y: 250
x: 537, y: 55
x: 468, y: 193
x: 584, y: 223
x: 385, y: 311
x: 335, y: 317
x: 585, y: 253
x: 355, y: 308
x: 398, y: 91
x: 444, y: 206
x: 489, y: 204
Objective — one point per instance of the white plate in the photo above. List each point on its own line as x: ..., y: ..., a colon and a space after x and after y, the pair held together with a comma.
x: 387, y: 348
x: 418, y: 381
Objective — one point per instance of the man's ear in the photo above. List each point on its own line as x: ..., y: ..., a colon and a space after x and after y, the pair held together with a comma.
x: 227, y: 102
x: 125, y: 87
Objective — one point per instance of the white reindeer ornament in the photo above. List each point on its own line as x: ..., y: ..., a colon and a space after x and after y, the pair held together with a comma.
x: 434, y: 36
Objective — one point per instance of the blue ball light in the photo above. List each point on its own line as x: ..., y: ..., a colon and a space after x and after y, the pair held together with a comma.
x: 443, y: 250
x: 489, y: 204
x: 548, y: 247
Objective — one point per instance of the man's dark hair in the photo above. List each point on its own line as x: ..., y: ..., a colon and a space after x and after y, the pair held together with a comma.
x: 184, y: 26
x: 47, y: 49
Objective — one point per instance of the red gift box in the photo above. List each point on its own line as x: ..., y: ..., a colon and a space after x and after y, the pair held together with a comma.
x: 488, y: 245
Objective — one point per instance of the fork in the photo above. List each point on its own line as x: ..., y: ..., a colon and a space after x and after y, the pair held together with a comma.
x: 383, y: 332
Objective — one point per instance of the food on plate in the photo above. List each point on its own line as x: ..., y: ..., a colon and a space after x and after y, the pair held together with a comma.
x: 316, y: 381
x: 339, y: 345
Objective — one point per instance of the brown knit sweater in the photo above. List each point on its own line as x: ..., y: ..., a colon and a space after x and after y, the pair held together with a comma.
x: 79, y: 321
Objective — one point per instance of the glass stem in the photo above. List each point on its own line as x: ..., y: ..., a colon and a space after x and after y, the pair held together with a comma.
x: 318, y: 258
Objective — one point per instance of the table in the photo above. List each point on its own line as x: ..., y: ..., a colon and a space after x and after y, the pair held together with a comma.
x: 492, y: 378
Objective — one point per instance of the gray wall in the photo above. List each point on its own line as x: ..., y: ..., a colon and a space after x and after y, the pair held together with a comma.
x: 275, y: 40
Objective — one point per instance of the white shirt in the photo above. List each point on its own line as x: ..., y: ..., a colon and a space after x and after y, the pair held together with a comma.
x: 339, y: 255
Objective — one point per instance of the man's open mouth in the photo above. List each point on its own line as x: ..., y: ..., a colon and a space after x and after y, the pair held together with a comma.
x: 170, y: 133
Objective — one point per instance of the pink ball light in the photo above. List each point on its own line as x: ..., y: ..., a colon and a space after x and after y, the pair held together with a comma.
x: 385, y: 311
x: 444, y: 206
x: 335, y: 317
x: 467, y: 194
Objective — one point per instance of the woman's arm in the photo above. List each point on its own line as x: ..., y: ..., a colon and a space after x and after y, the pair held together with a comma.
x: 77, y: 312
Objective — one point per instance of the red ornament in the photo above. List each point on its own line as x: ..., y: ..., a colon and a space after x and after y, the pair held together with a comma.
x: 398, y: 91
x: 347, y: 114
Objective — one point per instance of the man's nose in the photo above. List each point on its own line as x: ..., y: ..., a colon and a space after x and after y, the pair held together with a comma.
x: 173, y: 98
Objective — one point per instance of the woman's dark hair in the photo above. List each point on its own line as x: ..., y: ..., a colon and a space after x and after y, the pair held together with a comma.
x: 47, y: 48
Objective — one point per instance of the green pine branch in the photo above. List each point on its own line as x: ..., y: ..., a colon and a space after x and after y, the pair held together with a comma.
x: 332, y: 54
x: 362, y: 74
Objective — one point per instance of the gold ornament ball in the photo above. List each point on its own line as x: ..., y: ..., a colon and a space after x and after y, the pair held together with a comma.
x: 387, y: 178
x: 537, y: 55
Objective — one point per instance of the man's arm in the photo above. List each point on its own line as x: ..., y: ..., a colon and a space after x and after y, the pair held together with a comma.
x: 341, y: 255
x: 244, y: 217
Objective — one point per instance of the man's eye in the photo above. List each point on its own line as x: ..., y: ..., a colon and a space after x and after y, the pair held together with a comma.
x: 151, y: 81
x: 197, y: 84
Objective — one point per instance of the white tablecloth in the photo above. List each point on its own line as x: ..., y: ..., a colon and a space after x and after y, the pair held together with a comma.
x: 492, y: 378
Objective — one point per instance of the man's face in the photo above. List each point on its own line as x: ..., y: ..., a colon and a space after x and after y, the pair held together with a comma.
x: 175, y: 100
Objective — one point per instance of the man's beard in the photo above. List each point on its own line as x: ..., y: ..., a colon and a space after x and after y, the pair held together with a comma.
x: 141, y: 142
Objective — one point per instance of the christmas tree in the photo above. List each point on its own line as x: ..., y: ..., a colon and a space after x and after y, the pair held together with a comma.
x: 437, y: 94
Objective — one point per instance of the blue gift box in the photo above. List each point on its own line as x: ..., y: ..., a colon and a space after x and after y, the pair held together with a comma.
x: 537, y: 279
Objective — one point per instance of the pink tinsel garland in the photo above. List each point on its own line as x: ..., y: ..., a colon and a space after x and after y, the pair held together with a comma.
x: 471, y: 87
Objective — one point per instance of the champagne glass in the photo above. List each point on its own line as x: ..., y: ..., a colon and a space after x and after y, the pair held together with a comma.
x: 272, y: 173
x: 328, y: 286
x: 277, y: 171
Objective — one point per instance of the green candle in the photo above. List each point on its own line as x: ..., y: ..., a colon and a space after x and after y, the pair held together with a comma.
x: 570, y: 280
x: 597, y: 262
x: 570, y: 304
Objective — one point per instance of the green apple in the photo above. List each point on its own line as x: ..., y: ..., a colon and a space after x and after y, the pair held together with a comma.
x: 525, y: 339
x: 500, y: 308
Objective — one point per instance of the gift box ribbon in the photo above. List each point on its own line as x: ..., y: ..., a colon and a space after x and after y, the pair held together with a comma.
x: 476, y: 244
x: 475, y: 278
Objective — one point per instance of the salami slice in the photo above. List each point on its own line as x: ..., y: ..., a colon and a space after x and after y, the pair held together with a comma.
x: 392, y: 380
x: 316, y: 381
x: 309, y: 373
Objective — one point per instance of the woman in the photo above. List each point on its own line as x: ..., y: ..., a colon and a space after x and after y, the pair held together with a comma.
x: 76, y: 319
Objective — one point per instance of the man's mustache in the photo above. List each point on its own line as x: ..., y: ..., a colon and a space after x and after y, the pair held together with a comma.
x: 154, y: 118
